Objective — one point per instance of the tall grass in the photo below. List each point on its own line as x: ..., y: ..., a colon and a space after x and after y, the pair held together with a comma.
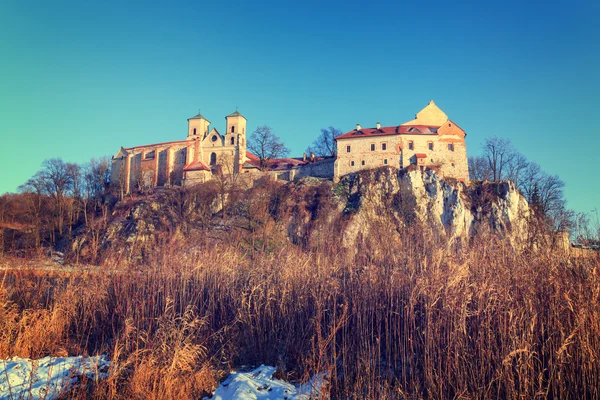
x: 408, y: 319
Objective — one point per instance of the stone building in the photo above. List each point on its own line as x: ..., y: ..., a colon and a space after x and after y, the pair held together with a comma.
x: 204, y: 153
x: 431, y: 140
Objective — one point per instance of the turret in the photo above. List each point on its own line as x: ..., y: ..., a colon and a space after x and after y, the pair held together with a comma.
x: 197, y: 127
x: 236, y: 136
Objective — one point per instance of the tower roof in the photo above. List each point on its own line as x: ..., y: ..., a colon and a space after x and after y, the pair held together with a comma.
x: 198, y: 116
x: 431, y: 115
x: 236, y: 114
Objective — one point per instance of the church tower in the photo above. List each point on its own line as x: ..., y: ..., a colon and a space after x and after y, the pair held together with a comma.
x: 236, y: 136
x: 197, y: 127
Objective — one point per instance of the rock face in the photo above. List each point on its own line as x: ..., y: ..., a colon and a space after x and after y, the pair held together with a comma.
x: 443, y: 205
x: 373, y: 205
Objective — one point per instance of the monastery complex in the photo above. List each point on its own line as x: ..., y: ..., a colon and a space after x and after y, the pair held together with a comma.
x: 431, y: 140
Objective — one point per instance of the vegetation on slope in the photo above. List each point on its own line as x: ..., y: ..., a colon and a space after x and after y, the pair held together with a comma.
x: 406, y: 316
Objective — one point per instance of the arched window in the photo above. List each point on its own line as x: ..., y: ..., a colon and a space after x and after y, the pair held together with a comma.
x: 232, y: 140
x: 232, y: 129
x: 194, y: 131
x: 213, y: 158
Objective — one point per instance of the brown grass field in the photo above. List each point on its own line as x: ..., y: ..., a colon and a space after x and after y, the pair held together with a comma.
x: 408, y: 319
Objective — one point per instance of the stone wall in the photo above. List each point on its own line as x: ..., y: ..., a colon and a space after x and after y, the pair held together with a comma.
x: 450, y: 162
x: 319, y: 169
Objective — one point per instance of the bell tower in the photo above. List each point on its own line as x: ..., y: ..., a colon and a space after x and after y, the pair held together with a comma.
x: 197, y: 127
x: 236, y: 136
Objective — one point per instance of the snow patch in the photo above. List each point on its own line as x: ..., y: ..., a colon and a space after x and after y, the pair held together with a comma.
x: 48, y: 377
x: 259, y: 384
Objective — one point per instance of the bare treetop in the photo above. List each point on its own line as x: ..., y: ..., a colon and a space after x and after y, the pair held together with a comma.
x: 324, y: 145
x: 267, y: 146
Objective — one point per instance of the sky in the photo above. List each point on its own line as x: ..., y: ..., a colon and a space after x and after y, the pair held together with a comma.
x: 81, y: 79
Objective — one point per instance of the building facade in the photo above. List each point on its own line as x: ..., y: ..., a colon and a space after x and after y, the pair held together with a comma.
x: 205, y: 152
x: 431, y: 140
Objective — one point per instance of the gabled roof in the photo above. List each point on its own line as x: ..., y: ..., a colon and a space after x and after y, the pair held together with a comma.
x: 156, y: 144
x: 390, y: 130
x: 199, y: 116
x: 196, y: 166
x: 252, y: 162
x: 367, y: 132
x: 121, y: 153
x: 236, y: 114
x: 277, y: 164
x: 430, y: 115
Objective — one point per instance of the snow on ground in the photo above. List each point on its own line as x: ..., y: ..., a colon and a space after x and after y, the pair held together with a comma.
x: 259, y: 384
x: 46, y: 378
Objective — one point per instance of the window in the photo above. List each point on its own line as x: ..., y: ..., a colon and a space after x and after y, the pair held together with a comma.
x: 232, y: 140
x: 352, y: 163
x: 430, y: 145
x: 384, y: 146
x: 347, y: 149
x: 451, y: 146
x: 411, y: 145
x: 213, y: 158
x: 372, y: 146
x: 385, y: 161
x: 149, y: 155
x: 232, y: 129
x: 214, y: 138
x: 363, y: 162
x: 194, y: 131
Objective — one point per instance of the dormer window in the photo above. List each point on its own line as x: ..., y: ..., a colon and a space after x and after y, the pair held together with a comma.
x: 233, y: 129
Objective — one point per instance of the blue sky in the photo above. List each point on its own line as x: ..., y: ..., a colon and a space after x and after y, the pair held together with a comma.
x: 80, y: 79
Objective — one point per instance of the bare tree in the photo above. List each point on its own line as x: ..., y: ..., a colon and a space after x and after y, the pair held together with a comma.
x: 34, y: 189
x: 499, y: 153
x: 324, y: 145
x: 516, y: 168
x: 479, y: 168
x: 266, y: 145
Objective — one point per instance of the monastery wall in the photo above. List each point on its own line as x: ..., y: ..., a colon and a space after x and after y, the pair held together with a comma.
x: 362, y: 157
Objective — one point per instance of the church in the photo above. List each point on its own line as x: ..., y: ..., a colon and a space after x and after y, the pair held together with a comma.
x: 203, y: 153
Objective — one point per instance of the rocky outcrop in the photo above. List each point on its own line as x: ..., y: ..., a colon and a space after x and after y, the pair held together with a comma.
x: 445, y: 206
x: 373, y: 205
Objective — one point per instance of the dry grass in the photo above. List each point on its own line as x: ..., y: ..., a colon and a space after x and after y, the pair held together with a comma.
x: 408, y: 317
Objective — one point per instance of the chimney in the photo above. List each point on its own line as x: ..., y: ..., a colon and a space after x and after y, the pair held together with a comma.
x: 358, y: 127
x: 304, y: 157
x: 312, y: 157
x: 378, y: 125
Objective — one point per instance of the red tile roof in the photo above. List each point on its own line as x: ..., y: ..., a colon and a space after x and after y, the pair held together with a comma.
x: 278, y: 164
x: 196, y: 166
x: 421, y: 155
x: 390, y: 130
x: 158, y: 144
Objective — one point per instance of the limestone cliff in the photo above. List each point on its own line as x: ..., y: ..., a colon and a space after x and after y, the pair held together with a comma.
x: 444, y: 206
x: 377, y: 205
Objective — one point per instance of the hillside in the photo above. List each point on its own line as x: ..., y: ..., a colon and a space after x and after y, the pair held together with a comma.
x: 362, y: 209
